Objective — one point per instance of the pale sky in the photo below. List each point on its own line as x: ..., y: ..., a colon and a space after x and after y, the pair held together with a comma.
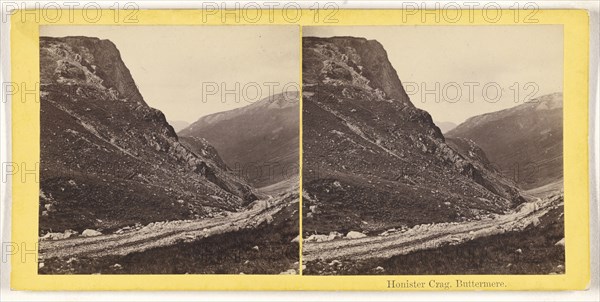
x: 174, y: 66
x: 504, y: 55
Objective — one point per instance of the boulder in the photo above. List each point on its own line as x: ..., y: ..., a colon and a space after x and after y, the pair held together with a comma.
x: 52, y: 236
x: 527, y: 207
x: 334, y: 235
x: 58, y: 236
x: 70, y: 233
x: 90, y: 233
x: 317, y: 238
x: 355, y: 235
x: 379, y: 270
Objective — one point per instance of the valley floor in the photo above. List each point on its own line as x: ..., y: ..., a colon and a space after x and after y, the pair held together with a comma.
x: 521, y: 242
x: 259, y: 241
x: 255, y: 241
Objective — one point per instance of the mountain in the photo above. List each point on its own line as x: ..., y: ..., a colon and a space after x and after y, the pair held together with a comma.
x: 179, y: 125
x: 372, y: 160
x: 445, y: 126
x: 259, y: 142
x: 109, y: 160
x: 524, y: 142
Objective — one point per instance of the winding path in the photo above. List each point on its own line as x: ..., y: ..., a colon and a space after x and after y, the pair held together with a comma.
x: 429, y: 236
x: 160, y: 234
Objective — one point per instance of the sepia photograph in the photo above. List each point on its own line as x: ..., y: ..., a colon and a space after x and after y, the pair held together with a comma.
x: 158, y: 151
x: 169, y: 150
x: 433, y: 150
x: 258, y: 149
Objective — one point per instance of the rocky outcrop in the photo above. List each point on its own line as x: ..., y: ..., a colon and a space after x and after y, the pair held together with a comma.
x: 107, y: 158
x: 76, y: 59
x: 372, y: 160
x: 360, y: 61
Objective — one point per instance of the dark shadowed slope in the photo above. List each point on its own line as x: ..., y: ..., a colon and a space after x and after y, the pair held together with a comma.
x: 524, y: 142
x: 108, y: 160
x: 371, y: 159
x: 258, y: 141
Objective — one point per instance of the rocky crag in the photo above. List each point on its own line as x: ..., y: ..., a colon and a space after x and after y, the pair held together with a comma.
x: 108, y: 160
x: 374, y: 161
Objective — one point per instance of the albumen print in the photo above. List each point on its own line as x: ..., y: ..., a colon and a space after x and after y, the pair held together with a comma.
x: 169, y: 150
x: 433, y: 150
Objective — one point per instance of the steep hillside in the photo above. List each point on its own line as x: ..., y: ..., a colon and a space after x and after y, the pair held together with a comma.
x: 524, y: 142
x: 258, y: 141
x: 108, y: 160
x: 372, y: 160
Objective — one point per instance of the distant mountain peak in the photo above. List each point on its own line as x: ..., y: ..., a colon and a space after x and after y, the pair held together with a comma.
x: 549, y: 101
x: 524, y: 142
x: 544, y: 102
x: 281, y: 100
x: 259, y: 141
x: 276, y: 101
